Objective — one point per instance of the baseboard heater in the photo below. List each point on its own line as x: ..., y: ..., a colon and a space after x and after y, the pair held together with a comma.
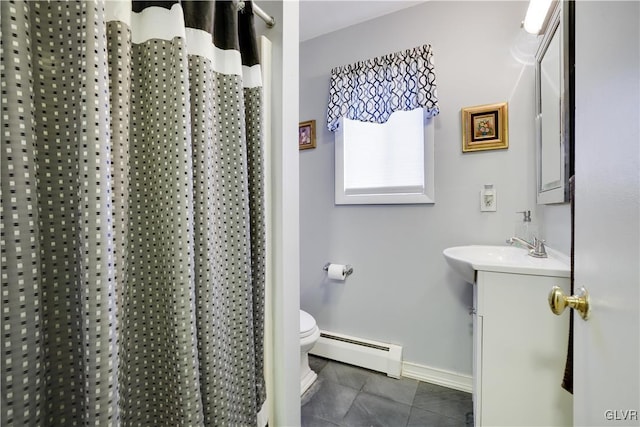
x: 374, y: 355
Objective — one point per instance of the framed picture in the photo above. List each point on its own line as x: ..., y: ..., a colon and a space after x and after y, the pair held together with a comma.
x: 485, y: 127
x: 307, y: 135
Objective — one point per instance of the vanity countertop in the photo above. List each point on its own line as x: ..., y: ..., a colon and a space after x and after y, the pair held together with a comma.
x: 466, y: 260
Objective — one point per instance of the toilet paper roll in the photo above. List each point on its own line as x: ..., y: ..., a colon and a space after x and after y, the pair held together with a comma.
x: 337, y: 271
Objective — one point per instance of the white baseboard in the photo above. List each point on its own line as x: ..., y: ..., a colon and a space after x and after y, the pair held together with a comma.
x: 374, y: 355
x: 441, y: 377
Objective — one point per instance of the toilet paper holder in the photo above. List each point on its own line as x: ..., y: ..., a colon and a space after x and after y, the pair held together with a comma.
x: 347, y: 268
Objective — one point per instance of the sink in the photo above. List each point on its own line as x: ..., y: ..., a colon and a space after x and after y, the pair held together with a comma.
x: 466, y: 260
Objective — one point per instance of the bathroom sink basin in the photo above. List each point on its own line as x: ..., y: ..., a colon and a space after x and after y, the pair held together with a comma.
x: 466, y: 260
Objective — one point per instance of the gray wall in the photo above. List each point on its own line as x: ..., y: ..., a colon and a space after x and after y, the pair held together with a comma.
x: 402, y: 291
x: 555, y: 226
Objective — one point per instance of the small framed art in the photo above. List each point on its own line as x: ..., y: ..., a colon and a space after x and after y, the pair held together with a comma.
x: 485, y: 127
x: 307, y: 135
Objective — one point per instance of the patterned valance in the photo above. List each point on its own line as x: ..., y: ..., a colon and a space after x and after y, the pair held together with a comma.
x: 371, y: 90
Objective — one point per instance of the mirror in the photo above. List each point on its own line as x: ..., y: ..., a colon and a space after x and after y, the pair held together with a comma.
x: 554, y: 106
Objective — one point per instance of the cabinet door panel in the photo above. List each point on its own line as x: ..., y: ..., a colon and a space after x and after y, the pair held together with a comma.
x: 523, y: 352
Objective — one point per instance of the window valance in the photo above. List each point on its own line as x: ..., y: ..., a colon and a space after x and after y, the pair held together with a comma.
x: 371, y: 90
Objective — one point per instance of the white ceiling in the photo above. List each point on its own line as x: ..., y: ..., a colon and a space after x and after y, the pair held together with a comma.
x: 318, y: 17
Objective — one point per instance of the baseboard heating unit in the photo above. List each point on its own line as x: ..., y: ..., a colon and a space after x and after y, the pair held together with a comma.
x: 374, y: 355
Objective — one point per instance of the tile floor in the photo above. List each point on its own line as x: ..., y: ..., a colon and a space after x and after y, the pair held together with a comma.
x: 345, y: 395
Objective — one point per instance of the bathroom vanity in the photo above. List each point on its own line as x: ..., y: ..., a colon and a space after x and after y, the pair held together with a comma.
x: 520, y: 347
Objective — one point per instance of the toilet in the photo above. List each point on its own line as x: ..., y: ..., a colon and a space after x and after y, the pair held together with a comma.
x: 309, y: 334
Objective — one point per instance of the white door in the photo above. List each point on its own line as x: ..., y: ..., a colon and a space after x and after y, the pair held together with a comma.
x: 607, y: 255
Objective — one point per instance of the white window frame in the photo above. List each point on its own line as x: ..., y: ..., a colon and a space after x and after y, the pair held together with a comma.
x: 426, y: 196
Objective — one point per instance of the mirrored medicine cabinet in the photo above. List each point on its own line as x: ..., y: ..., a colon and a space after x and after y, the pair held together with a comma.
x: 554, y: 105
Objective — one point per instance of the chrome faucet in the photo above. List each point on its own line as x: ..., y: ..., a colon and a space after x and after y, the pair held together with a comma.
x: 536, y: 250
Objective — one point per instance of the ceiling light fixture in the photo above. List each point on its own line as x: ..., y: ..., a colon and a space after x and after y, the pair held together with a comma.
x: 537, y: 15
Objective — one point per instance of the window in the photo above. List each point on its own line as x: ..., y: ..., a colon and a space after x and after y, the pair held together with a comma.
x: 388, y: 163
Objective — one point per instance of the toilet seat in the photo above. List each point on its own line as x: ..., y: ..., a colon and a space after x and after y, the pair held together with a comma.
x: 307, y: 324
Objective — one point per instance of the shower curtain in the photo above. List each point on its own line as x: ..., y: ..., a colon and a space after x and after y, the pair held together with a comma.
x: 132, y: 214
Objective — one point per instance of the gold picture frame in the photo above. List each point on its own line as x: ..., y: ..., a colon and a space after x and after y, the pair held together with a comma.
x: 485, y: 127
x: 307, y: 135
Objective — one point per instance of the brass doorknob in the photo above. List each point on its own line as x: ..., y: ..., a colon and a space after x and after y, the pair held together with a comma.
x: 558, y: 301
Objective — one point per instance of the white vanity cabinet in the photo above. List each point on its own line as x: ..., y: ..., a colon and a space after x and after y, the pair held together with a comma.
x: 520, y: 350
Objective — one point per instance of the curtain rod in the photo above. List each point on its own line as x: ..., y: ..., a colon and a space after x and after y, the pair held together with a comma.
x: 268, y: 19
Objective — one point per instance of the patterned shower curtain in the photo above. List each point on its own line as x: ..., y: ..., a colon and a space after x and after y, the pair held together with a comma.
x: 132, y: 214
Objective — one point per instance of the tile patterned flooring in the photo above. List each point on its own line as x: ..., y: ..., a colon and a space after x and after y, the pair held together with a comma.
x: 345, y: 395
